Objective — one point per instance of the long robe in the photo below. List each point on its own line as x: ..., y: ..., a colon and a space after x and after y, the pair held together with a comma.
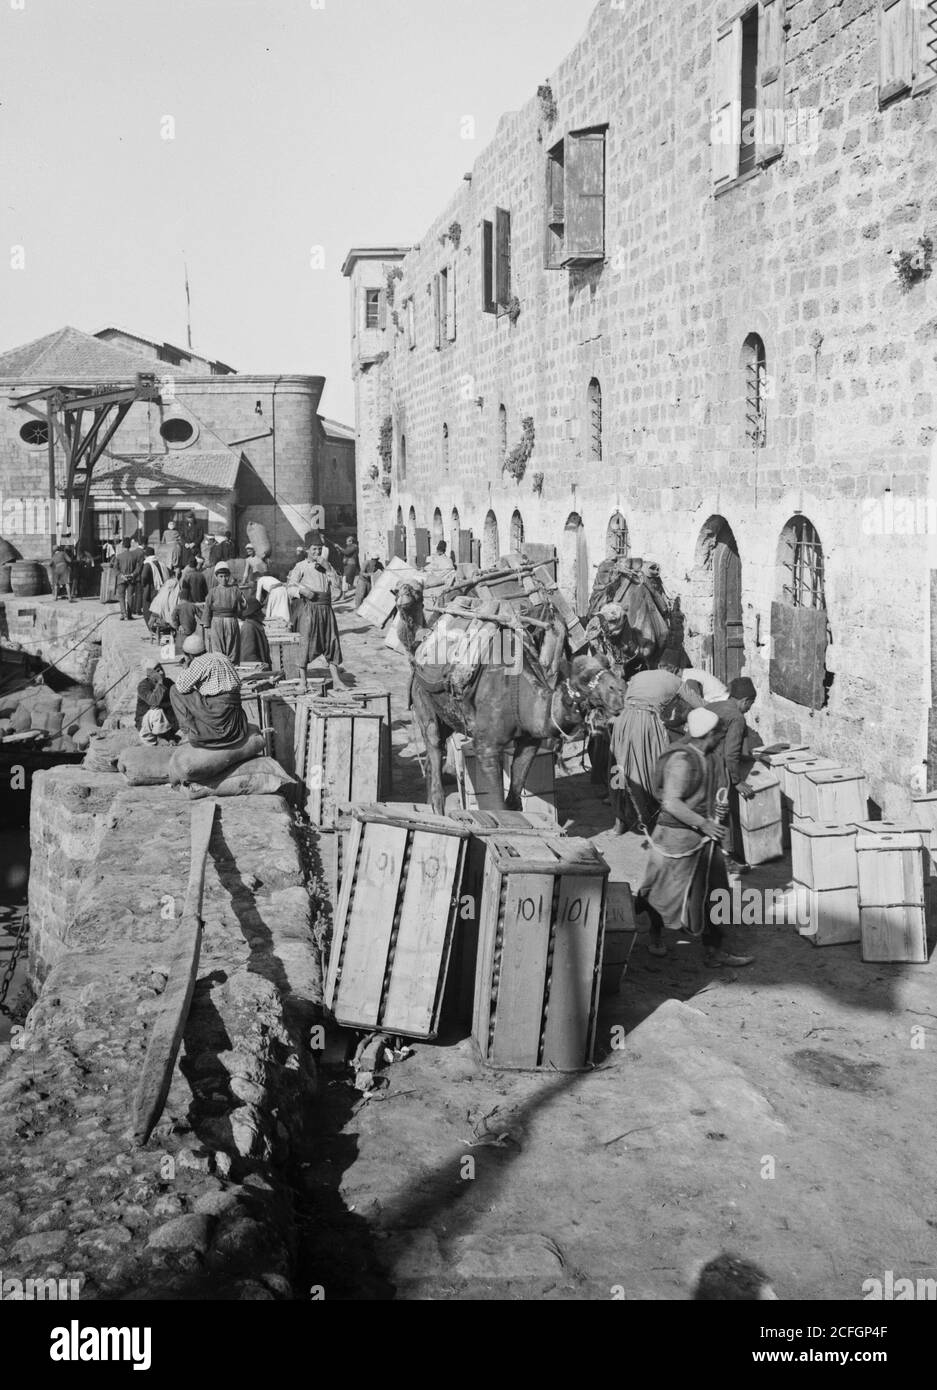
x: 638, y: 738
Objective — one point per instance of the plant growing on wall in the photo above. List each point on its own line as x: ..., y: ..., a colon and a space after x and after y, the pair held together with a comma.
x: 385, y: 442
x: 911, y: 267
x: 547, y: 104
x: 386, y: 484
x: 516, y: 459
x: 513, y: 308
x: 374, y: 472
x: 455, y: 234
x: 393, y: 274
x: 537, y: 483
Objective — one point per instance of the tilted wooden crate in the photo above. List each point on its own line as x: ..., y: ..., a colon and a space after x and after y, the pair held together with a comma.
x: 835, y: 795
x: 539, y: 953
x: 395, y: 920
x: 823, y: 857
x: 484, y: 826
x: 892, y: 899
x: 760, y: 817
x: 338, y: 757
x: 539, y: 794
x: 795, y: 779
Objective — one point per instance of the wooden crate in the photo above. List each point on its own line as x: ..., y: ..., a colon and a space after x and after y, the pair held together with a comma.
x: 619, y: 936
x: 484, y: 826
x: 373, y: 698
x: 823, y: 857
x: 795, y: 779
x: 285, y: 653
x: 892, y: 900
x: 338, y: 757
x: 836, y: 795
x: 833, y: 915
x: 539, y: 953
x: 925, y: 811
x: 539, y: 794
x: 395, y: 920
x: 912, y: 826
x: 760, y: 818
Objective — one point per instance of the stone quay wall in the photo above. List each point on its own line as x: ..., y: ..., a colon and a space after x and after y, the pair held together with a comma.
x: 205, y: 1209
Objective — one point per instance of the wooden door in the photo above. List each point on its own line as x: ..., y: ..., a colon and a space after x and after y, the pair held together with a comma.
x: 465, y: 555
x: 422, y: 546
x: 728, y: 632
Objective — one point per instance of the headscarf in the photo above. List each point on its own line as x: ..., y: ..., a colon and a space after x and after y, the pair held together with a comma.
x: 211, y: 674
x: 701, y: 722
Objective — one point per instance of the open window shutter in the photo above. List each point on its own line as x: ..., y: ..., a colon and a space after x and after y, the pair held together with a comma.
x: 771, y: 80
x: 439, y: 310
x: 553, y: 208
x: 925, y: 41
x: 488, y: 305
x: 502, y: 258
x: 381, y: 309
x: 727, y: 105
x: 584, y: 199
x: 894, y: 49
x: 450, y: 303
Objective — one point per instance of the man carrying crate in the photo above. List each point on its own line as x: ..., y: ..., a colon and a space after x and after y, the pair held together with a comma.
x: 685, y: 862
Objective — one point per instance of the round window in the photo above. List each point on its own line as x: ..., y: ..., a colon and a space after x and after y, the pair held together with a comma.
x: 35, y: 432
x: 177, y: 430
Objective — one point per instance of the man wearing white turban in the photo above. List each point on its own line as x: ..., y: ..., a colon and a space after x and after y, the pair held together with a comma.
x: 685, y: 864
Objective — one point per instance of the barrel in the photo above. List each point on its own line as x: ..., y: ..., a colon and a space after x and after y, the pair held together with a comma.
x: 27, y: 578
x: 5, y: 584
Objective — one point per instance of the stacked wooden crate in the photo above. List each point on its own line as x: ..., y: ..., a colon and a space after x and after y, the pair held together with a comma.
x: 375, y: 699
x: 338, y: 756
x: 395, y: 920
x: 776, y: 762
x: 539, y: 794
x: 893, y: 876
x: 826, y: 882
x: 539, y: 953
x: 760, y: 817
x: 285, y: 653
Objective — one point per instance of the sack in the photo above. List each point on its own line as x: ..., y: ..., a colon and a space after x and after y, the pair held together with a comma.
x: 190, y: 764
x: 256, y: 777
x: 144, y: 766
x: 105, y: 747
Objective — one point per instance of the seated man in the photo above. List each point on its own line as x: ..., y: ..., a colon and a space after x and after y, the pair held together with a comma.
x: 153, y: 693
x: 439, y: 566
x: 206, y: 699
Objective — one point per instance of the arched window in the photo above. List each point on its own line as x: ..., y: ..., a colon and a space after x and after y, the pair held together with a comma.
x: 439, y: 532
x: 411, y: 534
x: 445, y: 445
x: 755, y: 368
x: 517, y: 531
x: 455, y: 528
x: 616, y: 538
x: 491, y: 545
x: 402, y: 463
x: 595, y: 421
x: 502, y: 434
x: 799, y: 625
x: 573, y: 576
x: 399, y: 547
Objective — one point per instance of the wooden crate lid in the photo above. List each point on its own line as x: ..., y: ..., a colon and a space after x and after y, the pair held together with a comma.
x: 890, y: 827
x: 820, y: 830
x: 882, y: 844
x: 783, y: 755
x: 762, y: 777
x: 486, y: 823
x: 329, y: 709
x: 800, y: 767
x: 835, y: 774
x: 542, y: 855
x: 408, y: 816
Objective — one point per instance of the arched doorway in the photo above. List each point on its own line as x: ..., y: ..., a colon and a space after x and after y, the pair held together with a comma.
x: 399, y: 543
x: 439, y: 531
x: 454, y: 530
x: 411, y: 534
x: 517, y: 532
x: 491, y: 547
x: 719, y: 575
x: 617, y: 546
x: 573, y: 575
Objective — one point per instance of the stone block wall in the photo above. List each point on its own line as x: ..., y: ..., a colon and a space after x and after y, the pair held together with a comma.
x: 801, y: 253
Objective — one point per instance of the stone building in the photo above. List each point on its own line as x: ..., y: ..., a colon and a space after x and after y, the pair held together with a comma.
x: 233, y: 447
x: 682, y: 308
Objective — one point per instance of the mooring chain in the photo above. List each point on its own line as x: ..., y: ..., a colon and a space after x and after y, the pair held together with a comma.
x: 19, y: 945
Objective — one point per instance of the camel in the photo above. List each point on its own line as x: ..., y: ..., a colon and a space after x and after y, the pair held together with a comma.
x: 653, y: 624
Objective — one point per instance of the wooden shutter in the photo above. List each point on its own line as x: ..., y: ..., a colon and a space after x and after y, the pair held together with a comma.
x: 502, y: 258
x: 465, y: 547
x: 727, y: 105
x: 381, y: 309
x: 439, y: 310
x: 488, y: 292
x: 797, y: 668
x: 925, y: 42
x: 450, y: 303
x: 584, y: 199
x: 771, y: 111
x: 421, y: 535
x: 553, y: 210
x: 895, y: 54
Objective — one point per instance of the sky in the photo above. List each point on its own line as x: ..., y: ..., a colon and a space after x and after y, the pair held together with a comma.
x: 237, y: 136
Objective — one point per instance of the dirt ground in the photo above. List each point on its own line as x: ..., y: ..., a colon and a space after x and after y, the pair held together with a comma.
x: 784, y: 1111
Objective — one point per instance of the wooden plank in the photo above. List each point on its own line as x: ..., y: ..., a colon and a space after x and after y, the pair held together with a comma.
x: 423, y: 944
x: 570, y: 1000
x: 169, y: 1028
x: 520, y: 983
x: 367, y: 926
x: 798, y: 664
x: 365, y: 755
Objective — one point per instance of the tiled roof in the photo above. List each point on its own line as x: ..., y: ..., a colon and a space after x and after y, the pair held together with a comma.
x: 182, y: 472
x: 333, y: 430
x: 74, y: 355
x: 193, y: 361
